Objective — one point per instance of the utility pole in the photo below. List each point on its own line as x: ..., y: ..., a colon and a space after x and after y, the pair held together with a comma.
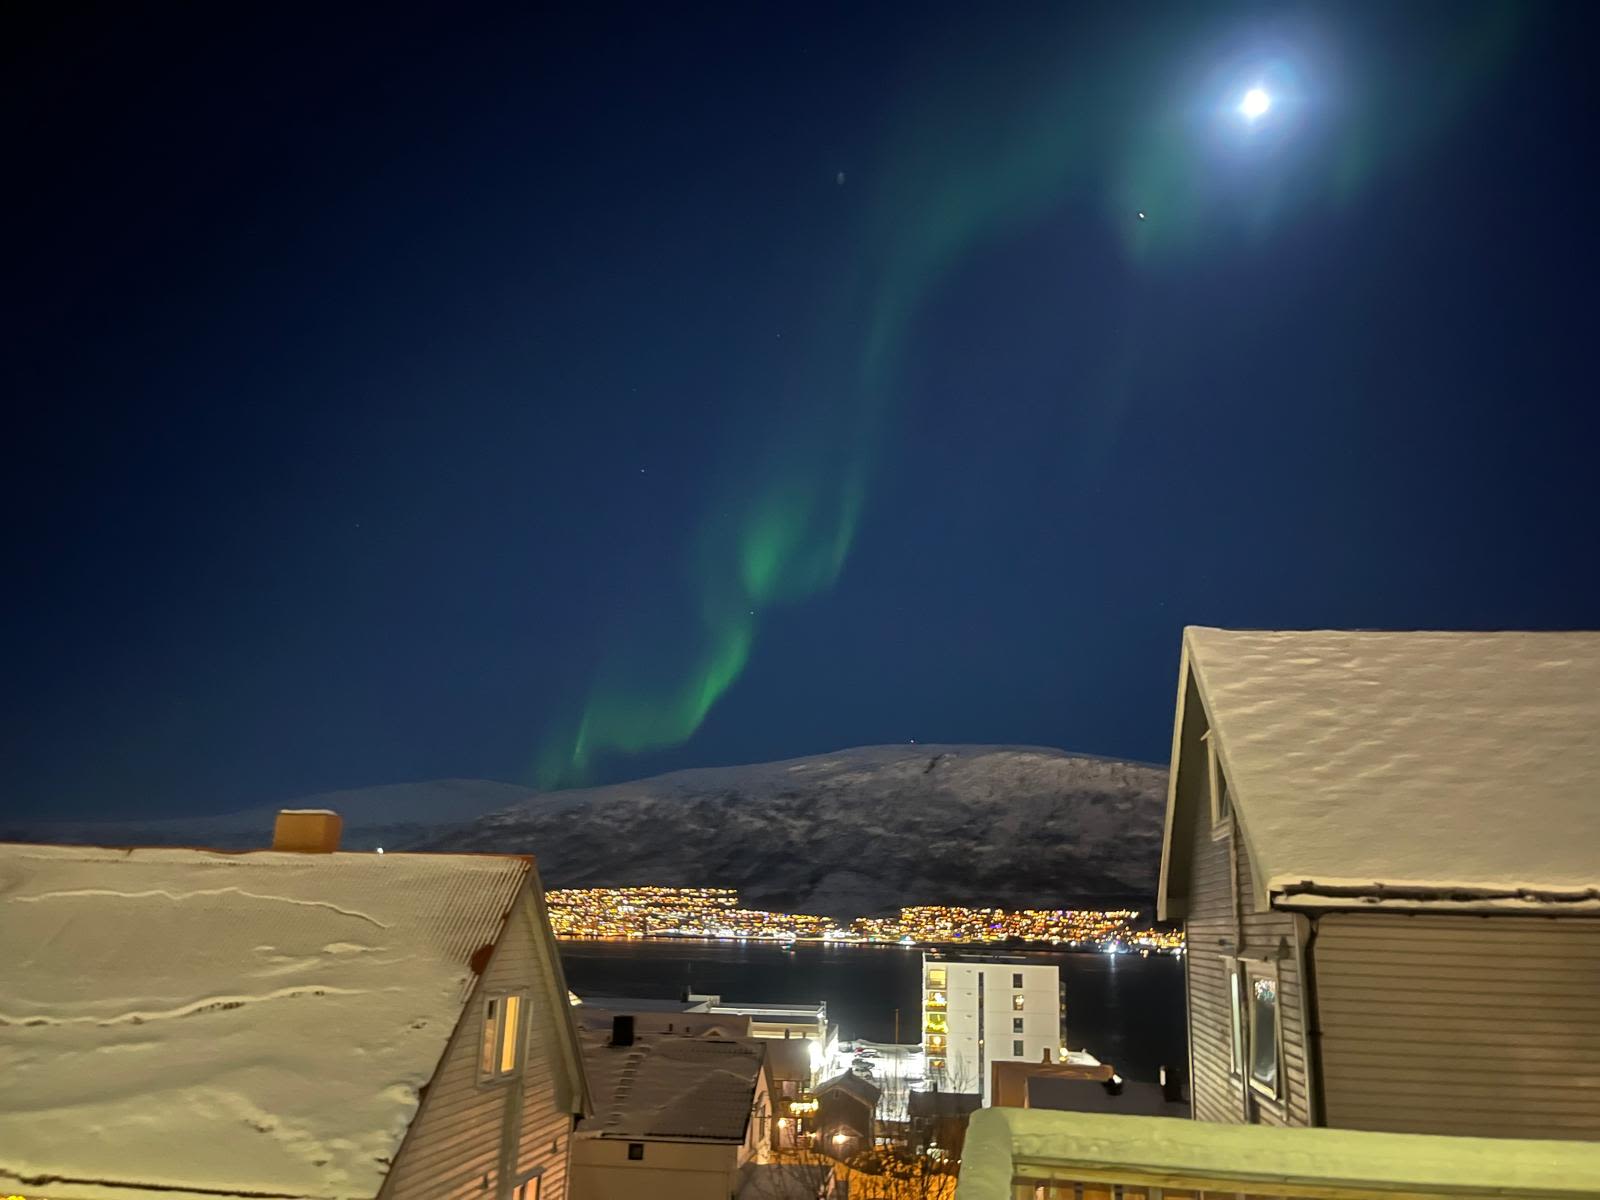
x: 897, y: 1026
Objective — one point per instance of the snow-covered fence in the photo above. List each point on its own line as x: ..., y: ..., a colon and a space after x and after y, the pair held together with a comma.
x: 1034, y: 1154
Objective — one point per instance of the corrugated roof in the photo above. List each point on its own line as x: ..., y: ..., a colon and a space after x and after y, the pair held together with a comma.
x: 238, y: 1022
x: 671, y: 1086
x: 1452, y: 768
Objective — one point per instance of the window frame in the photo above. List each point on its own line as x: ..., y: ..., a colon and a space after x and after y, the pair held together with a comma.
x: 534, y: 1176
x: 1016, y: 1025
x: 1254, y: 969
x: 1016, y: 981
x: 1219, y: 797
x: 1238, y: 1028
x: 1019, y: 1048
x: 493, y: 1009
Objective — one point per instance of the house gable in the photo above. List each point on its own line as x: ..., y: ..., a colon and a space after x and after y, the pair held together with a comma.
x: 473, y: 1138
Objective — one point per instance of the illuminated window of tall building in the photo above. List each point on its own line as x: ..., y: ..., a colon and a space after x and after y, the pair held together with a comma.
x: 936, y: 977
x: 1016, y: 1002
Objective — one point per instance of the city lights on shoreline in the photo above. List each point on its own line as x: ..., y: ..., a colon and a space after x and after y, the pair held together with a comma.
x: 644, y: 912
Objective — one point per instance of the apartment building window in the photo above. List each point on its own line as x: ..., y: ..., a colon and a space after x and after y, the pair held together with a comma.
x: 1016, y: 979
x: 1016, y: 1002
x: 501, y: 1048
x: 1016, y: 1049
x: 1016, y: 1024
x: 936, y: 977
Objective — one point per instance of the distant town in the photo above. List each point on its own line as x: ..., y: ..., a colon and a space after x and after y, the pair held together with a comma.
x: 642, y: 912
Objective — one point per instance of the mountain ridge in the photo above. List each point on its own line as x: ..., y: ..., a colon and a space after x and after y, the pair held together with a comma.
x: 853, y: 832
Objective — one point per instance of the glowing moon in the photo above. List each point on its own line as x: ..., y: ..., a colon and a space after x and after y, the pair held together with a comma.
x: 1255, y: 104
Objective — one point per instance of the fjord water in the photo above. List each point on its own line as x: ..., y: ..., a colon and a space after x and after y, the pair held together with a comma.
x: 1124, y: 1009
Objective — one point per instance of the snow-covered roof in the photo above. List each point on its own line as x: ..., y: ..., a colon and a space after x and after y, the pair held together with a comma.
x: 230, y: 1023
x: 670, y: 1086
x: 1451, y: 769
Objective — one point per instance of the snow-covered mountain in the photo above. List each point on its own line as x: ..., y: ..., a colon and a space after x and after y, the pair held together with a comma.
x: 857, y: 832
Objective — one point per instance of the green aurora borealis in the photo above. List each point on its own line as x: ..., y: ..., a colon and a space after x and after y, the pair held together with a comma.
x: 1017, y: 127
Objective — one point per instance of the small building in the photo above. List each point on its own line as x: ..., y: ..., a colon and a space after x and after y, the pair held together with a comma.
x: 847, y: 1115
x: 937, y: 1121
x: 789, y: 1068
x: 979, y: 1010
x: 303, y: 1024
x: 678, y: 1116
x: 1011, y: 1082
x: 1115, y: 1095
x: 1385, y: 848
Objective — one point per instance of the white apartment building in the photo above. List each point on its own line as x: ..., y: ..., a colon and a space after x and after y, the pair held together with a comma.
x: 978, y: 1011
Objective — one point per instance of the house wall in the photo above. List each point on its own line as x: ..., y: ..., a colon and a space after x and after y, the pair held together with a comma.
x: 456, y: 1140
x: 840, y: 1112
x: 1464, y: 1025
x: 1220, y: 926
x: 601, y: 1170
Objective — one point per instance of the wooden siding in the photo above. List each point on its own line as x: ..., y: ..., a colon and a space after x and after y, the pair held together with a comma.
x: 456, y: 1141
x: 1460, y: 1025
x: 1220, y: 925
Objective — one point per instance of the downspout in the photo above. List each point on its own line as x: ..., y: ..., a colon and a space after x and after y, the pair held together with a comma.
x: 1310, y: 1019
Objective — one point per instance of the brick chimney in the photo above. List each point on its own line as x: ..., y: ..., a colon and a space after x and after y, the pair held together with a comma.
x: 307, y: 831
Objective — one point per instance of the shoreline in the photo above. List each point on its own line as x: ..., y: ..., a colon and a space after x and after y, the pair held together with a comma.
x: 1016, y: 946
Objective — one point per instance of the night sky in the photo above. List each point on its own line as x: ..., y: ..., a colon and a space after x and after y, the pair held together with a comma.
x: 563, y: 397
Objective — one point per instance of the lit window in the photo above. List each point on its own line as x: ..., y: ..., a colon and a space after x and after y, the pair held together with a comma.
x: 1016, y: 1002
x: 527, y: 1187
x: 1264, y: 1033
x: 1016, y: 1049
x: 500, y: 1052
x: 936, y: 977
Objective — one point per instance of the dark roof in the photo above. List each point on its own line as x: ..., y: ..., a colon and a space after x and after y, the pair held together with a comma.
x: 942, y: 1104
x: 789, y: 1058
x: 1090, y: 1095
x: 667, y: 1085
x: 852, y: 1083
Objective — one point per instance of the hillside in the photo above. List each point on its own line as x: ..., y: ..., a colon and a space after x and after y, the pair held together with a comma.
x: 852, y: 833
x: 859, y: 831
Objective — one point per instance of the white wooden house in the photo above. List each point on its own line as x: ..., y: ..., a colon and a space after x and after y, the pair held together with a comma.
x: 184, y: 1023
x: 1385, y: 848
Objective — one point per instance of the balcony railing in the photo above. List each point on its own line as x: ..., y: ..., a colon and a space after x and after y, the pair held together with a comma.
x: 1034, y: 1154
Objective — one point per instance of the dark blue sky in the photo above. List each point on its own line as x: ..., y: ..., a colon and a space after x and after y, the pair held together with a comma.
x: 396, y: 395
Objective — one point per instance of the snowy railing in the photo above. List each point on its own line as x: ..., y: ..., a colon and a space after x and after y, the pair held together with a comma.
x: 1035, y: 1154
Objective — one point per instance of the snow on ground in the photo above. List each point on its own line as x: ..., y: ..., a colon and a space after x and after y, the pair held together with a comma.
x: 248, y: 1023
